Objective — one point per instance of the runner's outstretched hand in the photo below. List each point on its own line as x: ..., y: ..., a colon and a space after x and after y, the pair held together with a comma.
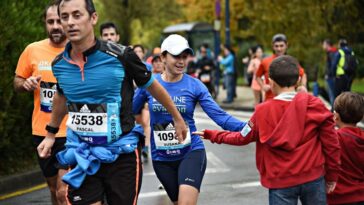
x: 201, y: 134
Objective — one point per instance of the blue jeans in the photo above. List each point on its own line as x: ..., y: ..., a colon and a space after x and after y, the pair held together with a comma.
x: 330, y: 83
x: 229, y: 85
x: 310, y: 193
x: 315, y: 89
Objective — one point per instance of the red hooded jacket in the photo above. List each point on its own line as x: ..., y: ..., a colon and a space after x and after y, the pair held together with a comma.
x: 295, y: 140
x: 350, y: 185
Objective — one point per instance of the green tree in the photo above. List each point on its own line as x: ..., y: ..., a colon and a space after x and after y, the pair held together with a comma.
x: 141, y: 21
x: 306, y: 23
x: 21, y: 24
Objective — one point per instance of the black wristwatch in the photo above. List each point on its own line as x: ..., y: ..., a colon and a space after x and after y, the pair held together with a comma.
x: 51, y: 129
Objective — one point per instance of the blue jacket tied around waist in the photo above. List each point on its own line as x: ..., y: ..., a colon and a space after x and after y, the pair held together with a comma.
x: 87, y: 159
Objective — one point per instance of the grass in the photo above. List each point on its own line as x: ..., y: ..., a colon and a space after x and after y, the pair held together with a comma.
x: 357, y: 86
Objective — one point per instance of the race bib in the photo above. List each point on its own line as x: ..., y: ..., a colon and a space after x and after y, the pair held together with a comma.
x: 166, y: 139
x: 95, y: 123
x: 47, y: 91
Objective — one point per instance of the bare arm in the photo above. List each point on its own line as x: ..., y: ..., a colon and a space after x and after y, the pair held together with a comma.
x: 302, y: 84
x: 23, y: 85
x: 262, y: 85
x: 59, y: 110
x: 160, y: 94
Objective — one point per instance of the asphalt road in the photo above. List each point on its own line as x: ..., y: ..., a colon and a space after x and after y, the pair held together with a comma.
x: 231, y: 176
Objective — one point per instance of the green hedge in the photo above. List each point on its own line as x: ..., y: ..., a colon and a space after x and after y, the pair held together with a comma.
x: 21, y: 24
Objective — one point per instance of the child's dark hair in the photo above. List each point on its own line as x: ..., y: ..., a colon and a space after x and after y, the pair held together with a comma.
x: 350, y: 107
x: 284, y: 71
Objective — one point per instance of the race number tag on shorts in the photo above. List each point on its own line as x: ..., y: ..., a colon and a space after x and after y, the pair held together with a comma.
x: 47, y: 91
x: 95, y: 123
x: 165, y: 138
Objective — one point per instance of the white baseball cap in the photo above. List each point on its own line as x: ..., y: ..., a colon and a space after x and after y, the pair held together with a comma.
x: 175, y: 45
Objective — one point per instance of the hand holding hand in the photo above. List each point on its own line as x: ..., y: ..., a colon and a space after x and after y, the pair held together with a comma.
x: 200, y: 133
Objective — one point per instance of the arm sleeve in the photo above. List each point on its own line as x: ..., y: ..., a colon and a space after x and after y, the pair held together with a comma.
x: 226, y: 61
x: 248, y: 134
x: 331, y: 147
x: 260, y: 71
x: 137, y: 69
x: 335, y: 62
x: 213, y: 110
x: 139, y: 99
x: 301, y: 71
x: 24, y: 68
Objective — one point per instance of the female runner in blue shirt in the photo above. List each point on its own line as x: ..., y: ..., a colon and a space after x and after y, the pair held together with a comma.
x: 180, y: 167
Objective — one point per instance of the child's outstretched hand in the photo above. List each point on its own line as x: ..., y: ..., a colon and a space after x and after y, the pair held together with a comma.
x: 200, y: 133
x: 330, y: 186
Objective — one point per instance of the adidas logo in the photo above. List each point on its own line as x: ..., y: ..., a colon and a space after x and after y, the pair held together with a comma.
x: 85, y: 109
x: 54, y: 87
x: 170, y: 127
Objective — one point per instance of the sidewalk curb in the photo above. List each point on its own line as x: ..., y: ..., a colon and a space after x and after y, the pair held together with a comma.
x: 20, y: 181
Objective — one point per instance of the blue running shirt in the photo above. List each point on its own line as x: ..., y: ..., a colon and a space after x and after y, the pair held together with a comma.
x: 105, y: 86
x: 185, y: 93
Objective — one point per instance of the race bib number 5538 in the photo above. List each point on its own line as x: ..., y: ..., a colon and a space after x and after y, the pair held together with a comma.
x: 95, y: 124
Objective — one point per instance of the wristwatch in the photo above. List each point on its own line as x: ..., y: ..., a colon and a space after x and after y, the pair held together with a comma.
x: 51, y: 129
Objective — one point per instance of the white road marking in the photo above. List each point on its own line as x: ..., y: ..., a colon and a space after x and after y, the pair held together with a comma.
x: 234, y: 186
x: 246, y: 185
x: 152, y: 194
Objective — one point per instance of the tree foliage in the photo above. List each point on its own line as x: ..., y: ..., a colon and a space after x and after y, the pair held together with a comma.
x: 306, y: 23
x: 141, y: 21
x: 21, y: 24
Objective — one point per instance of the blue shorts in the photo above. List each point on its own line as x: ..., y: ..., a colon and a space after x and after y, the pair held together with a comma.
x: 189, y: 170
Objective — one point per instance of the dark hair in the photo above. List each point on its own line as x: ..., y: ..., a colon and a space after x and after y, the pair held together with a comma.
x: 350, y: 107
x: 284, y: 71
x: 328, y: 42
x: 279, y: 37
x: 140, y: 46
x: 255, y: 48
x: 230, y: 49
x: 108, y: 25
x: 204, y: 45
x: 343, y: 42
x: 51, y: 3
x: 90, y: 7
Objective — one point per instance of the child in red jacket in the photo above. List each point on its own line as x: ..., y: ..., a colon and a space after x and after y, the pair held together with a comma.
x: 297, y: 148
x: 349, y: 110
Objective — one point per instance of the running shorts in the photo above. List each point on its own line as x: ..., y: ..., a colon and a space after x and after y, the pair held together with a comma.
x: 189, y: 171
x: 119, y: 182
x: 50, y: 165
